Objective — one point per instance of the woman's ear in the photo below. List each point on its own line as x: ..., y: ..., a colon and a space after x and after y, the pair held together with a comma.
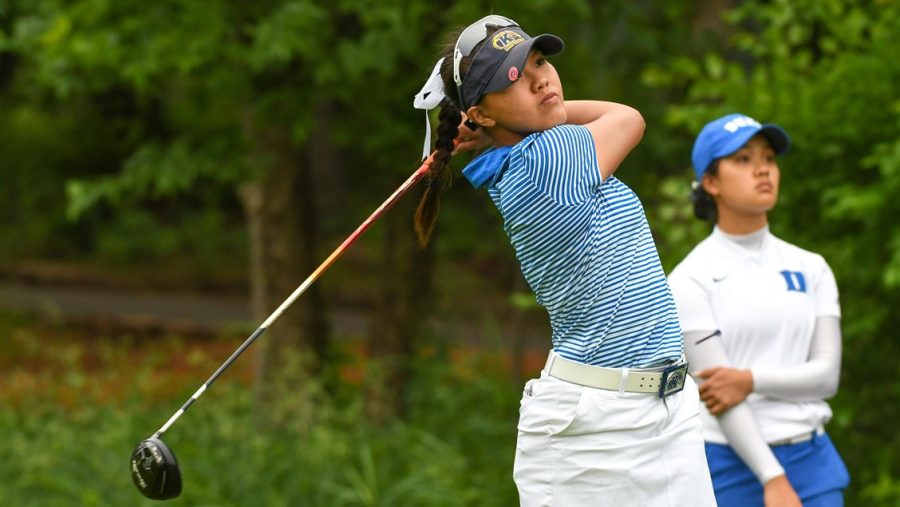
x: 480, y: 117
x: 710, y: 184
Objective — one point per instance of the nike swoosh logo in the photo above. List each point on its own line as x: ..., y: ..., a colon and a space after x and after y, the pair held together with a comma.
x: 717, y: 279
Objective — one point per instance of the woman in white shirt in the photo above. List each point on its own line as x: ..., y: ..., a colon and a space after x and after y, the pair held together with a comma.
x: 761, y: 322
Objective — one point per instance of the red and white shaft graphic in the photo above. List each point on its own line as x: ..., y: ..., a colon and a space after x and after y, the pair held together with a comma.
x: 386, y: 205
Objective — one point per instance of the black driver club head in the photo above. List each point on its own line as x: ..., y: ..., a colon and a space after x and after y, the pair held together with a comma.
x: 154, y: 470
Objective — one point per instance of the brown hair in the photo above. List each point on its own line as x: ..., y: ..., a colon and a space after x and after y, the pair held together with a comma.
x: 439, y: 176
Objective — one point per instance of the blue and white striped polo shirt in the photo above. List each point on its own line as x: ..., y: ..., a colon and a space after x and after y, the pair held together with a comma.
x: 585, y: 249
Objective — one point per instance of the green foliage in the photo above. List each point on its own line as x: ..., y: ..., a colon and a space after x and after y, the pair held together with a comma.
x: 201, y: 85
x: 307, y: 448
x: 59, y: 458
x: 152, y: 172
x: 142, y: 119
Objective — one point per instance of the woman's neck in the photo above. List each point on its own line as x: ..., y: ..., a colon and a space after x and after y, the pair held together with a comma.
x: 739, y: 224
x: 504, y: 137
x: 750, y: 241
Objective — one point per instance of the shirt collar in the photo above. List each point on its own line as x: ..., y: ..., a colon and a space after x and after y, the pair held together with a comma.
x: 748, y: 246
x: 485, y: 168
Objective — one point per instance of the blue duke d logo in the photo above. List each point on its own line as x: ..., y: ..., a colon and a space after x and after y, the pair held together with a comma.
x: 795, y: 280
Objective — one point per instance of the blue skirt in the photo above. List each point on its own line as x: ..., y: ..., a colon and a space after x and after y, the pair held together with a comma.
x: 814, y: 468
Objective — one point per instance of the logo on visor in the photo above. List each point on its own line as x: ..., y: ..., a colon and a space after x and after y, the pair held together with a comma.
x: 506, y: 40
x: 513, y: 73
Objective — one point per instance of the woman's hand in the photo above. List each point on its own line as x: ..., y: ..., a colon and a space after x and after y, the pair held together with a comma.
x: 469, y: 139
x: 724, y: 388
x: 778, y: 492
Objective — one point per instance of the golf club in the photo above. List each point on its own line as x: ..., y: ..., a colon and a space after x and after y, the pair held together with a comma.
x: 154, y: 468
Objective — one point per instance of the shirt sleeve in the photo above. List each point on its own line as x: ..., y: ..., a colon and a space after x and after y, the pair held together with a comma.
x: 827, y: 299
x: 562, y: 163
x: 705, y: 350
x: 815, y: 380
x: 692, y: 301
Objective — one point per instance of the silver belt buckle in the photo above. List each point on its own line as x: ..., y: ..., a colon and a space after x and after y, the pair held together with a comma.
x: 672, y: 380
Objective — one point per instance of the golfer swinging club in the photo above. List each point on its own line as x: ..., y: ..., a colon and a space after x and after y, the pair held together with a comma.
x: 613, y: 418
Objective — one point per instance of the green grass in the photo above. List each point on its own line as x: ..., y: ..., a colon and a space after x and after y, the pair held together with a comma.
x: 75, y: 407
x: 81, y: 458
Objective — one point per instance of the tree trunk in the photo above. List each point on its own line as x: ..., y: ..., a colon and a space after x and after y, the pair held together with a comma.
x: 282, y: 224
x: 251, y: 196
x: 323, y: 184
x: 708, y: 17
x: 401, y: 311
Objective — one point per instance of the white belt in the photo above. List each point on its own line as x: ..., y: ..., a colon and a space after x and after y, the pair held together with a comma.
x: 799, y: 439
x: 632, y: 380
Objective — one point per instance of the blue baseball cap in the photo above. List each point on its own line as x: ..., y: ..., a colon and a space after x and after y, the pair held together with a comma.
x: 724, y: 136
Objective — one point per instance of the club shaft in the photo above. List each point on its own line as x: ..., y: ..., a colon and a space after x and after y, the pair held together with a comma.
x: 386, y: 205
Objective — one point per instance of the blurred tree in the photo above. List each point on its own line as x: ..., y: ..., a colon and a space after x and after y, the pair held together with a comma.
x: 304, y: 106
x: 263, y: 98
x: 221, y: 95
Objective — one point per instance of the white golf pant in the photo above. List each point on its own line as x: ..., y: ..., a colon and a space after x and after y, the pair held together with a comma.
x: 580, y: 446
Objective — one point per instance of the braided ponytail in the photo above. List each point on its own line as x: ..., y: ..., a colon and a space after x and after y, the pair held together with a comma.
x: 438, y: 176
